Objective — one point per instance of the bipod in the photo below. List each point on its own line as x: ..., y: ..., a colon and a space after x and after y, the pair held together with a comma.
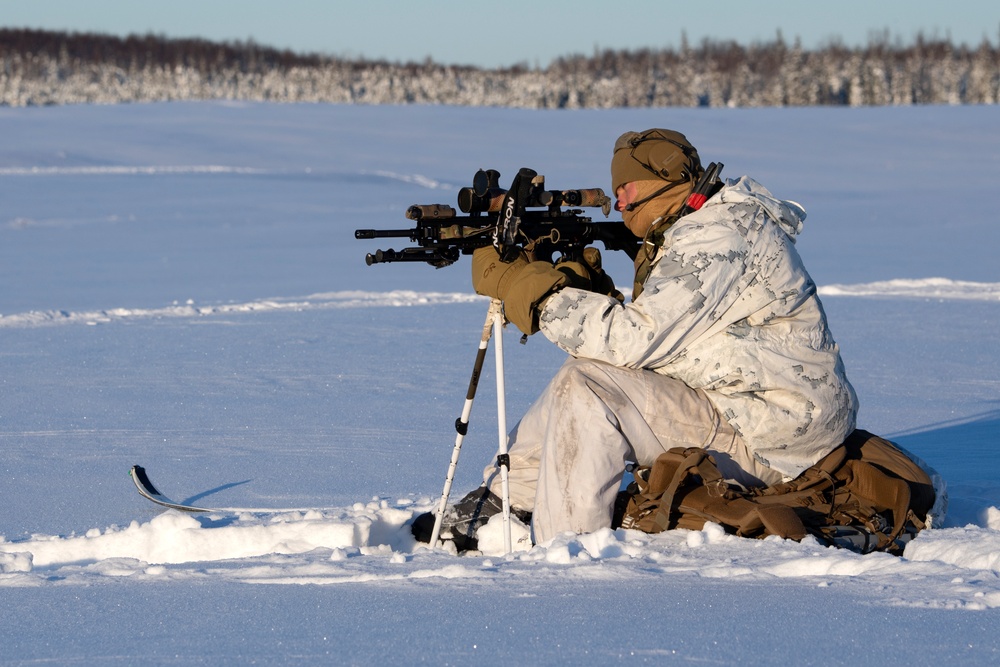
x: 494, y: 328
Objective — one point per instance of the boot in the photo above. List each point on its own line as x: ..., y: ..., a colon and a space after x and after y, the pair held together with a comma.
x: 464, y: 518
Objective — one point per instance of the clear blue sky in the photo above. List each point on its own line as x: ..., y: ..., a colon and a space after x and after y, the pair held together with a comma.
x: 490, y: 34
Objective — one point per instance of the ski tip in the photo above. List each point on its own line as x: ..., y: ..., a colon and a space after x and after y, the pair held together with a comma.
x: 150, y: 492
x: 139, y: 476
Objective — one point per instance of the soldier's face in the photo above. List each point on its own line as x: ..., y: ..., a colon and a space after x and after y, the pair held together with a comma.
x: 626, y: 195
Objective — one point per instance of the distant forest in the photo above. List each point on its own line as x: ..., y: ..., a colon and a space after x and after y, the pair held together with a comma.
x: 44, y: 68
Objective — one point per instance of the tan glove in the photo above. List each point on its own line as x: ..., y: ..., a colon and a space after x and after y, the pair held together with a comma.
x: 521, y: 285
x: 590, y: 275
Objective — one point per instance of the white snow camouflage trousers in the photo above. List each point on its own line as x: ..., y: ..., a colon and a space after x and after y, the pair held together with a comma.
x: 568, y: 452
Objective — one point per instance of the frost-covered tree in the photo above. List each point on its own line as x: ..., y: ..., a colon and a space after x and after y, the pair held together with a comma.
x: 39, y: 68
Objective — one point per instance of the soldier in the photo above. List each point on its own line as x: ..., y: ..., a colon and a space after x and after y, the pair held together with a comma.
x: 724, y: 345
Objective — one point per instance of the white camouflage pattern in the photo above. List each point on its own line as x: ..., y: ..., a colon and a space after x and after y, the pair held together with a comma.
x: 729, y: 308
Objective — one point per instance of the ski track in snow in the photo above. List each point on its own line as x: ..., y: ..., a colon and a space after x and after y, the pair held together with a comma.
x: 959, y: 567
x: 928, y: 288
x: 170, y: 170
x: 151, y: 170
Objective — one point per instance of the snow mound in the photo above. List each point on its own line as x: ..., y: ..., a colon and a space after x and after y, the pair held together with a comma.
x: 371, y: 542
x: 188, y: 309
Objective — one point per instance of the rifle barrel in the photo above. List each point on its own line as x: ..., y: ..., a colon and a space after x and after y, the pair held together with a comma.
x: 384, y: 233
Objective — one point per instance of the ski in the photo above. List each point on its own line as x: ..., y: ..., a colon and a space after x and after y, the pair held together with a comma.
x: 148, y: 491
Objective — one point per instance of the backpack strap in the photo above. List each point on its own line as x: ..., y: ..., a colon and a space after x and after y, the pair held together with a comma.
x: 696, y: 492
x: 888, y: 458
x: 738, y: 514
x: 661, y: 488
x: 881, y: 491
x: 694, y: 462
x: 781, y: 520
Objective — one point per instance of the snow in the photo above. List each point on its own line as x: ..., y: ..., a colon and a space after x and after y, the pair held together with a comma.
x: 183, y: 291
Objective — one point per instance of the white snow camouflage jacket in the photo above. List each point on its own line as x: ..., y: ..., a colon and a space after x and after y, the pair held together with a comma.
x: 729, y: 308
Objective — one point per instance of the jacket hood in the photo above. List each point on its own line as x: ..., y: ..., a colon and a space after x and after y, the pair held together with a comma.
x: 788, y: 214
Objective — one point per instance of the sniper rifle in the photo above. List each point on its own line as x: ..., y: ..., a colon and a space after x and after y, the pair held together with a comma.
x: 524, y: 217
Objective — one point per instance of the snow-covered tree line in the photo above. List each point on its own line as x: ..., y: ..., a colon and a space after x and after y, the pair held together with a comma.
x: 40, y: 68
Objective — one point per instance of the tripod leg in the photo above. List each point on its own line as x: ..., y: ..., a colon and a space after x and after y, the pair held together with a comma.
x: 462, y: 423
x: 503, y: 459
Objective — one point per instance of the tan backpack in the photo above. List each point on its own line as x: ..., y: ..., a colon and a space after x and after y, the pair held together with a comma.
x: 866, y: 495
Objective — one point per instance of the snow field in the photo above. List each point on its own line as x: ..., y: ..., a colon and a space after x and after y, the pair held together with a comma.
x: 184, y: 292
